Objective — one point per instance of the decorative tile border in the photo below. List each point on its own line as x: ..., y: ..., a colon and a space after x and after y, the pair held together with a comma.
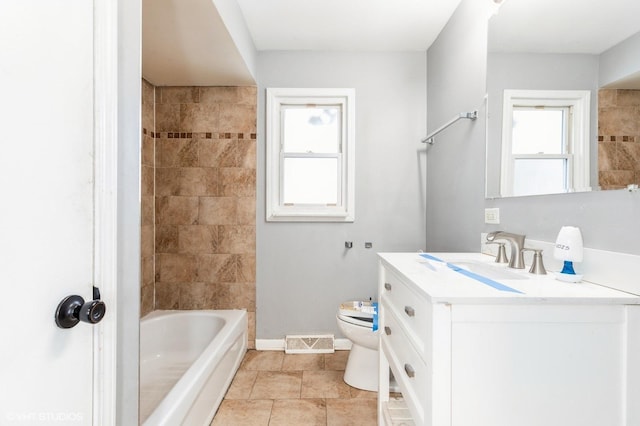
x: 201, y: 135
x: 618, y: 138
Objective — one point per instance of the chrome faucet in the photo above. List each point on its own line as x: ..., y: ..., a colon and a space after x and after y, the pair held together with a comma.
x: 516, y: 260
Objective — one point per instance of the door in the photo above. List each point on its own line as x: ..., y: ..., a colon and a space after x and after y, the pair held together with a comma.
x: 46, y: 210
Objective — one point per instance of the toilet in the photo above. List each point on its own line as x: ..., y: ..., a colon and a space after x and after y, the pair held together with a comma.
x: 355, y: 321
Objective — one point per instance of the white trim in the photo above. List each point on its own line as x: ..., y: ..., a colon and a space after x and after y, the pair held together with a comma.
x: 580, y: 103
x: 275, y: 211
x: 105, y: 208
x: 278, y: 344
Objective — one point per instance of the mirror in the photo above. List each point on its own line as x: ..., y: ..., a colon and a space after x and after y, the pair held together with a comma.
x: 544, y: 50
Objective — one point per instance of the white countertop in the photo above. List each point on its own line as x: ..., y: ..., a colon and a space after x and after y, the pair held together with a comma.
x: 442, y: 284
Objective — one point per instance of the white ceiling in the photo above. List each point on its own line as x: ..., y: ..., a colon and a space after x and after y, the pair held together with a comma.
x: 187, y: 42
x: 563, y: 26
x: 346, y: 25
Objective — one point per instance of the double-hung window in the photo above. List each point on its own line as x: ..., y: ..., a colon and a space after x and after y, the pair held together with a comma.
x: 545, y: 147
x: 310, y: 155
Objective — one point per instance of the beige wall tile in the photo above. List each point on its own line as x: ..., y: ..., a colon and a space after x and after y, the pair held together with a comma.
x: 146, y: 299
x: 147, y: 272
x: 251, y: 335
x: 187, y: 181
x: 178, y: 95
x: 240, y: 118
x: 147, y: 174
x: 217, y: 153
x: 217, y: 95
x: 197, y: 295
x: 176, y: 210
x: 167, y: 118
x: 176, y: 152
x: 204, y: 182
x: 217, y: 210
x: 217, y: 268
x: 176, y: 267
x: 166, y: 238
x: 237, y: 239
x: 236, y: 296
x: 246, y: 149
x: 238, y: 182
x: 147, y: 154
x: 198, y: 239
x: 247, y: 95
x: 246, y: 267
x: 147, y: 204
x: 167, y: 295
x: 246, y: 211
x: 199, y: 117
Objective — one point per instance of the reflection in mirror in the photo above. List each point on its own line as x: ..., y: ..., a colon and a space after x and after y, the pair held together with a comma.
x: 548, y: 46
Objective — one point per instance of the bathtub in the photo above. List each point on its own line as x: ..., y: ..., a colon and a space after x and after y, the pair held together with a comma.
x: 187, y: 361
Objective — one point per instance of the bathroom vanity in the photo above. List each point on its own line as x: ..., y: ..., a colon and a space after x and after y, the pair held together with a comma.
x: 473, y: 344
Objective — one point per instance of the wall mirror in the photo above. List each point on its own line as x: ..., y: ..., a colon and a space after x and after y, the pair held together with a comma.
x: 542, y: 55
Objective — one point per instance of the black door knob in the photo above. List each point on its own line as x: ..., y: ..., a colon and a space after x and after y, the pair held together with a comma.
x: 73, y: 309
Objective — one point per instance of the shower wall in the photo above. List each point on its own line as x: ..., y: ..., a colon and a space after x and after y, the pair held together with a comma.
x: 147, y: 238
x: 205, y: 199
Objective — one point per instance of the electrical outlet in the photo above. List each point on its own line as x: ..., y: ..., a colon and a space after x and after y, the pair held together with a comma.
x: 492, y: 216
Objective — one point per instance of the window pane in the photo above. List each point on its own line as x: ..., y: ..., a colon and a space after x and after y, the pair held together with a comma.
x: 310, y: 181
x: 312, y: 129
x: 539, y: 176
x: 538, y: 131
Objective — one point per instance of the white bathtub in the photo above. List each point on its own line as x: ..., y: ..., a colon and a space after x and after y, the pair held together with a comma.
x: 187, y: 361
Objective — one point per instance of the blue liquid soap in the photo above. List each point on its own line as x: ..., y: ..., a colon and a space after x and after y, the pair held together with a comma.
x: 568, y: 268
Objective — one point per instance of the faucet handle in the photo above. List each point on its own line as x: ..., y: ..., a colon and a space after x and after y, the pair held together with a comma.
x: 502, y: 253
x: 537, y: 267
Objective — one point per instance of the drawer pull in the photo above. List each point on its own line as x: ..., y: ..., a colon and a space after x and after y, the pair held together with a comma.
x: 387, y: 286
x: 387, y: 330
x: 409, y: 311
x: 409, y: 370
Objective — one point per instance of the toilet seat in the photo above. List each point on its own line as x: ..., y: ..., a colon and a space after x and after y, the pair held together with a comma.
x: 357, y: 313
x: 358, y: 321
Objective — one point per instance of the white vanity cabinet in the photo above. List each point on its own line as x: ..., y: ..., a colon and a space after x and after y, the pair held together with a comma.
x: 466, y: 354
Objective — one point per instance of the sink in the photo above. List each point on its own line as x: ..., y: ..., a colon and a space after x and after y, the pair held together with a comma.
x: 488, y: 270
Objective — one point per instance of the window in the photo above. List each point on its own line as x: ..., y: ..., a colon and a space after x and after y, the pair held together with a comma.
x: 545, y: 144
x: 310, y: 155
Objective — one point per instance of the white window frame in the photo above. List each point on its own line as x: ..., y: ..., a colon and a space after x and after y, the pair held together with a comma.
x: 579, y: 103
x: 344, y: 209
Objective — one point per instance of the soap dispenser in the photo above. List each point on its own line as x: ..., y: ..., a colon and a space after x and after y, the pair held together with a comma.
x: 569, y: 249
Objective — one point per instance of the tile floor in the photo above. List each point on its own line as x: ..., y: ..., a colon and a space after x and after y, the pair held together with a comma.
x: 273, y: 388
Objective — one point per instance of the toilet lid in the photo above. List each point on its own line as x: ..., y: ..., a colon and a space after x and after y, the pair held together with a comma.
x: 361, y: 322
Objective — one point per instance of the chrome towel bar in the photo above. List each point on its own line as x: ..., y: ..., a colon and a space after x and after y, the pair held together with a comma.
x: 469, y: 115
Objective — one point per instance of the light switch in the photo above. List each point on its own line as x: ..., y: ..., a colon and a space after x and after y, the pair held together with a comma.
x: 492, y: 216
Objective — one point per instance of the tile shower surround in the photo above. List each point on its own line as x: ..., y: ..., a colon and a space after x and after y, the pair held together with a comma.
x: 205, y: 191
x: 618, y: 138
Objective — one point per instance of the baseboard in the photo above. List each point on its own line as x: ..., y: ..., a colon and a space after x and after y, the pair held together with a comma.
x: 278, y: 344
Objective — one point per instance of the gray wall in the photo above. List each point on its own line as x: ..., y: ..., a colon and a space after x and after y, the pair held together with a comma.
x: 303, y: 270
x: 456, y: 72
x: 620, y: 61
x: 609, y: 219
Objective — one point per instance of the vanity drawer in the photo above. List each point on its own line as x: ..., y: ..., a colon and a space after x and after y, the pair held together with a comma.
x: 412, y: 310
x: 409, y: 369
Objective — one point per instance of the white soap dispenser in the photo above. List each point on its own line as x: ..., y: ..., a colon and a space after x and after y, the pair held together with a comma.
x: 569, y: 249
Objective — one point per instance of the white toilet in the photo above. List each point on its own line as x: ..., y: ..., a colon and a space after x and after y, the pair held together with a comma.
x: 355, y: 321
